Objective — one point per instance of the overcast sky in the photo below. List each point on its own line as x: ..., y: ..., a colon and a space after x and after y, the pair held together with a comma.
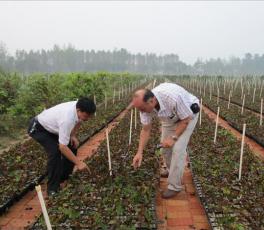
x: 190, y: 29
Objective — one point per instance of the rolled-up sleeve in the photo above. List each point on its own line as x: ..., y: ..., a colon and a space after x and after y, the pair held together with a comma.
x: 183, y: 108
x: 145, y: 118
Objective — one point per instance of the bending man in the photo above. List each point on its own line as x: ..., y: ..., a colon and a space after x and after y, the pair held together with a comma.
x: 178, y: 111
x: 55, y: 129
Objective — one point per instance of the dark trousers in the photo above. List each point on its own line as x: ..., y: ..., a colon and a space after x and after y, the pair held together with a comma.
x: 58, y: 167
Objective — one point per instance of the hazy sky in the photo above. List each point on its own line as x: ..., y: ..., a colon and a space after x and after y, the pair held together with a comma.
x: 191, y: 29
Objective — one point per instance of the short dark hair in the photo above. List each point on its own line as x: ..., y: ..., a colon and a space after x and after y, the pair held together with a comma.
x: 86, y: 105
x: 147, y: 95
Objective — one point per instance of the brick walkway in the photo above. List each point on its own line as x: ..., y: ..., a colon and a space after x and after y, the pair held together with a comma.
x: 183, y: 211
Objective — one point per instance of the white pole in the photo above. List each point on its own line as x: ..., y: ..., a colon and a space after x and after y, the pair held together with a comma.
x: 105, y: 101
x: 261, y: 111
x: 217, y: 96
x: 43, y: 207
x: 229, y: 97
x: 243, y: 103
x: 210, y: 93
x: 95, y: 104
x: 119, y: 92
x: 114, y: 97
x: 130, y: 130
x: 224, y: 87
x: 108, y: 152
x: 242, y: 151
x: 154, y: 83
x: 216, y: 123
x: 201, y: 110
x: 135, y: 118
x: 254, y: 93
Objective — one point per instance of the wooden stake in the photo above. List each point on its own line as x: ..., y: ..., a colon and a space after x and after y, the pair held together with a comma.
x: 95, y: 104
x: 229, y: 97
x: 242, y: 151
x: 217, y: 96
x: 108, y: 152
x: 254, y: 93
x: 243, y: 103
x: 201, y: 110
x: 114, y: 97
x: 216, y: 123
x: 105, y: 101
x: 130, y: 130
x: 43, y: 207
x: 135, y: 118
x: 261, y: 111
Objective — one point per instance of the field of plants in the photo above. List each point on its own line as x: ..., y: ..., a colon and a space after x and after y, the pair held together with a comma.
x: 126, y: 199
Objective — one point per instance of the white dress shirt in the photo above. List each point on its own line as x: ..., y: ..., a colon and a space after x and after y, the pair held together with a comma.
x: 174, y: 102
x: 60, y: 120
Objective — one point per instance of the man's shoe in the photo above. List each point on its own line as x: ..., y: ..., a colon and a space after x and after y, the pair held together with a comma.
x: 164, y: 173
x: 169, y: 194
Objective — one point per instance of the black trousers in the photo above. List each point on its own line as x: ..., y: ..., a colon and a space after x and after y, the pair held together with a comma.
x: 58, y: 167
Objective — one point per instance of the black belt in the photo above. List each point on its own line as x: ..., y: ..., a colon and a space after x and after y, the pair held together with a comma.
x: 36, y: 126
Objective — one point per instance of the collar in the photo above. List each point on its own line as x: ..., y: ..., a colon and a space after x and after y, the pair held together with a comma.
x: 75, y: 116
x: 160, y: 103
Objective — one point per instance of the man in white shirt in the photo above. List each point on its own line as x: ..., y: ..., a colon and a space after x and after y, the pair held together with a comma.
x: 178, y: 111
x: 55, y: 129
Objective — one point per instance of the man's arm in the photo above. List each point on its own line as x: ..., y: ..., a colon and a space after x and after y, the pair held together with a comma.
x: 182, y: 125
x: 74, y: 139
x: 143, y: 140
x: 70, y: 156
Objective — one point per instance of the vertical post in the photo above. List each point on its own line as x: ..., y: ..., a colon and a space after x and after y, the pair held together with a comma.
x: 261, y: 111
x: 43, y: 207
x: 229, y: 98
x: 105, y: 101
x: 242, y: 151
x: 254, y: 93
x: 95, y: 104
x: 243, y: 103
x: 119, y: 92
x: 114, y: 97
x: 216, y: 123
x: 108, y: 152
x: 135, y: 118
x: 201, y: 110
x: 130, y: 130
x: 217, y: 95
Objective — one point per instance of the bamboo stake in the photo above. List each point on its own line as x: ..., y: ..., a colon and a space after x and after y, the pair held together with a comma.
x: 201, y: 110
x: 105, y: 101
x: 254, y: 93
x: 261, y: 111
x: 114, y: 97
x: 216, y: 123
x: 217, y: 96
x: 243, y: 103
x: 135, y: 118
x: 242, y: 151
x: 130, y: 129
x: 108, y: 152
x: 95, y: 104
x: 43, y: 207
x: 229, y: 97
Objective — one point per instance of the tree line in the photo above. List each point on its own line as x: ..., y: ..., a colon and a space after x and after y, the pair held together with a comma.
x: 70, y: 59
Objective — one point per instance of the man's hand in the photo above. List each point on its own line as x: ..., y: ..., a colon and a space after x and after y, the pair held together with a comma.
x: 167, y: 143
x: 137, y: 160
x: 74, y: 142
x: 81, y: 166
